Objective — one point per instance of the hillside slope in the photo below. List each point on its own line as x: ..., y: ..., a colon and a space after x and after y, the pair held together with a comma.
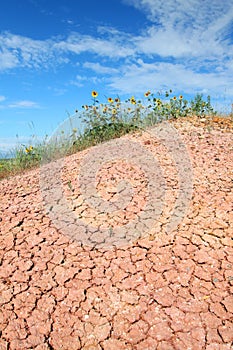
x: 158, y: 290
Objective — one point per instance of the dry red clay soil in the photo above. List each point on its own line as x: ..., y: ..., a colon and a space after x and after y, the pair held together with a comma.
x: 163, y: 290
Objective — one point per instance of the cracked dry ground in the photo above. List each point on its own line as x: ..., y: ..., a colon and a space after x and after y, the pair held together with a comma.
x: 160, y: 292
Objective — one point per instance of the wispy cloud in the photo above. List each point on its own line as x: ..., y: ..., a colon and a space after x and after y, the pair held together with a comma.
x: 140, y: 76
x: 8, y: 59
x: 100, y: 69
x: 24, y: 104
x: 191, y: 15
x: 59, y: 92
x: 78, y: 44
x: 186, y: 44
x: 80, y: 80
x: 19, y: 51
x: 2, y: 98
x: 197, y: 28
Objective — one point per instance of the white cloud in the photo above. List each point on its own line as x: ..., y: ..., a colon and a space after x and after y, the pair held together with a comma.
x: 192, y: 14
x: 166, y: 42
x: 24, y: 104
x: 186, y: 45
x: 19, y: 51
x: 2, y: 98
x: 8, y: 59
x: 80, y: 80
x: 100, y: 69
x: 141, y: 76
x: 59, y: 92
x: 180, y: 28
x: 194, y: 28
x: 78, y: 43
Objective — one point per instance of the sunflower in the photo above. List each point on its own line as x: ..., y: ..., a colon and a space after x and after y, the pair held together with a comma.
x: 132, y: 100
x: 94, y: 93
x: 147, y: 93
x: 174, y: 98
x: 28, y: 149
x: 110, y: 100
x: 180, y: 97
x: 117, y: 100
x: 114, y: 111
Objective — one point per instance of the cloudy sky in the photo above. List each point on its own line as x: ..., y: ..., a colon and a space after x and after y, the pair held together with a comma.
x: 53, y: 53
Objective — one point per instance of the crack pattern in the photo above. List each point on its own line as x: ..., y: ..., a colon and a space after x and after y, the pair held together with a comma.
x: 159, y: 292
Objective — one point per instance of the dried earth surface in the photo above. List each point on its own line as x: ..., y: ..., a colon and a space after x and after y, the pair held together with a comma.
x: 161, y: 291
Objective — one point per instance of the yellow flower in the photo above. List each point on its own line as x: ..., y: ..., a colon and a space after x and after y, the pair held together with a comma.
x: 181, y: 97
x: 133, y: 101
x: 110, y: 100
x: 174, y: 98
x: 147, y: 93
x: 94, y: 93
x: 105, y: 109
x: 114, y: 111
x: 85, y: 107
x: 117, y: 100
x: 28, y: 149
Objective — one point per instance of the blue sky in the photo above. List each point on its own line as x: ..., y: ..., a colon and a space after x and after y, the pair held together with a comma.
x: 54, y: 53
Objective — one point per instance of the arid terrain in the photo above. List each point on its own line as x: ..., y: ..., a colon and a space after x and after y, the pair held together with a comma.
x: 162, y: 290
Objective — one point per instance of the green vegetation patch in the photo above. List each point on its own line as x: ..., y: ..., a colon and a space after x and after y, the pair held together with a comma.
x: 105, y: 121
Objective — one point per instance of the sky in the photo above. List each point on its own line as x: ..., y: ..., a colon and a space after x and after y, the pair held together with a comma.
x: 53, y: 53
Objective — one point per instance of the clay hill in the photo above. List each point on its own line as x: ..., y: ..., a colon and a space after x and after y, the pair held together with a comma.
x: 157, y: 290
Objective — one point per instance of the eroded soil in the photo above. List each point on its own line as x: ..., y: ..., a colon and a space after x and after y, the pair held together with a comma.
x: 161, y: 291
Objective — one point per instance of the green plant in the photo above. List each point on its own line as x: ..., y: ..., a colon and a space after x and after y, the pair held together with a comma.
x: 200, y: 107
x: 105, y: 121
